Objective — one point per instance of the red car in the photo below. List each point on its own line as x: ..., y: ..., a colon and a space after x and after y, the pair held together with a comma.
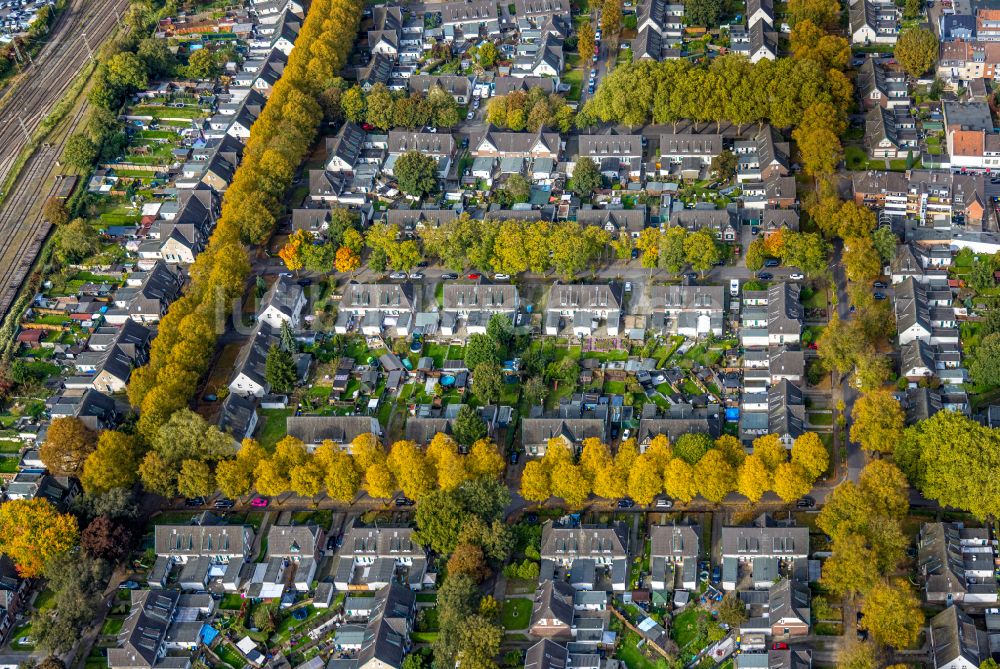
x: 367, y: 127
x: 597, y: 51
x: 474, y: 276
x: 779, y: 646
x: 259, y: 502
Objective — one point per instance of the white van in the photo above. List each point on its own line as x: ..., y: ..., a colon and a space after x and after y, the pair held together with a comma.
x: 734, y: 287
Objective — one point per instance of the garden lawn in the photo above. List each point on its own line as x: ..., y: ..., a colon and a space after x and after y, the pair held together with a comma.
x: 230, y: 656
x: 112, y: 626
x: 629, y: 653
x: 274, y: 426
x: 516, y: 613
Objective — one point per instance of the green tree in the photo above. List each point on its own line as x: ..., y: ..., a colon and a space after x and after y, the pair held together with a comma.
x: 416, y: 173
x: 80, y: 151
x: 917, y: 50
x: 279, y: 369
x: 985, y: 367
x: 692, y: 446
x: 352, y: 103
x: 127, y: 72
x: 586, y: 177
x: 469, y: 427
x: 202, y: 65
x: 756, y: 255
x: 893, y: 615
x: 724, y: 165
x: 487, y: 54
x: 878, y: 421
x: 480, y: 349
x: 701, y: 250
x: 885, y: 242
x: 704, y: 13
x: 585, y: 42
x: 611, y: 18
x: 517, y: 189
x: 487, y: 382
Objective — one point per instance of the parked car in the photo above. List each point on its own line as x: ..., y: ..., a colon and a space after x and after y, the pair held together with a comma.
x: 224, y: 503
x: 664, y: 503
x: 779, y: 645
x: 416, y: 276
x: 806, y: 502
x: 514, y: 457
x: 194, y: 501
x: 501, y: 277
x: 626, y: 503
x: 771, y: 262
x: 449, y: 276
x: 128, y: 585
x: 765, y: 276
x: 628, y: 286
x: 474, y: 276
x: 259, y: 502
x: 716, y: 574
x: 471, y: 115
x: 398, y: 275
x: 879, y: 296
x: 367, y: 127
x: 796, y: 276
x: 626, y: 433
x: 879, y: 285
x: 691, y: 276
x: 404, y: 501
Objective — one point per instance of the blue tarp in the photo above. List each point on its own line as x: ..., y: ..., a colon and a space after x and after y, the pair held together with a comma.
x: 208, y: 634
x: 732, y: 414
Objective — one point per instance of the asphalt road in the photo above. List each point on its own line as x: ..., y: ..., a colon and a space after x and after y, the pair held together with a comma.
x: 22, y: 230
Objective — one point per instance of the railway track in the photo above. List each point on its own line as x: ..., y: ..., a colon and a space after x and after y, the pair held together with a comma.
x: 46, y: 81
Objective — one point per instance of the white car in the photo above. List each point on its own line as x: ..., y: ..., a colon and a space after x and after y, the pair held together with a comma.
x: 471, y: 115
x: 398, y: 275
x: 628, y: 286
x: 626, y: 433
x: 417, y: 276
x: 501, y: 277
x: 796, y: 276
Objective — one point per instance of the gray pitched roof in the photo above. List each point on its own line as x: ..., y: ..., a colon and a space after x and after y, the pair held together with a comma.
x: 622, y: 220
x: 674, y: 541
x: 784, y: 310
x: 546, y: 654
x: 553, y: 601
x: 954, y: 636
x: 282, y: 295
x: 765, y: 538
x: 911, y: 305
x: 338, y: 429
x: 785, y: 409
x: 200, y: 540
x: 431, y: 143
x: 144, y: 630
x: 789, y: 600
x: 575, y: 430
x: 390, y: 296
x: 387, y: 632
x: 583, y: 542
x: 479, y: 297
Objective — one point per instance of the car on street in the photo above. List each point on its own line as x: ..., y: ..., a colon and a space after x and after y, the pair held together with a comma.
x: 474, y: 276
x: 367, y: 127
x: 879, y: 296
x: 475, y: 103
x: 779, y: 645
x: 664, y: 503
x: 626, y: 433
x: 259, y: 502
x: 501, y: 277
x: 224, y: 503
x: 304, y: 282
x: 796, y: 276
x: 128, y: 585
x: 628, y: 286
x: 194, y: 501
x: 331, y: 543
x: 716, y: 574
x: 404, y: 501
x: 471, y: 115
x: 879, y: 285
x: 398, y: 275
x: 771, y: 262
x: 626, y: 503
x: 514, y: 457
x: 449, y: 276
x: 806, y: 502
x: 691, y: 276
x: 416, y: 276
x: 765, y: 276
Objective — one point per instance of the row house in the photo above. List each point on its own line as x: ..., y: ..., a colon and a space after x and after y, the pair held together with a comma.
x: 109, y: 369
x: 957, y: 563
x: 923, y: 265
x: 760, y: 11
x: 763, y: 548
x: 384, y: 640
x: 879, y: 86
x: 617, y: 156
x: 161, y: 631
x: 674, y: 550
x: 682, y: 148
x: 537, y: 433
x: 439, y: 145
x: 179, y: 237
x: 720, y: 222
x: 371, y: 558
x: 314, y: 431
x: 891, y: 133
x: 282, y: 304
x: 689, y: 311
x: 584, y: 309
x: 776, y: 191
x: 932, y: 197
x: 457, y: 86
x: 470, y: 19
x: 508, y: 85
x: 495, y: 143
x: 956, y: 642
x: 582, y: 550
x: 987, y: 24
x: 145, y: 296
x: 545, y: 60
x: 375, y: 307
x: 969, y: 131
x: 919, y: 360
x: 386, y: 34
x: 664, y: 19
x: 925, y: 314
x: 763, y: 156
x: 468, y: 308
x: 874, y: 22
x: 630, y: 222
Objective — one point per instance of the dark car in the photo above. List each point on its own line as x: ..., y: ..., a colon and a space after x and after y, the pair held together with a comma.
x: 625, y: 503
x: 771, y: 262
x: 635, y: 253
x: 716, y: 574
x: 304, y: 282
x: 879, y: 296
x: 224, y: 503
x: 691, y: 276
x: 805, y: 502
x: 514, y: 457
x: 449, y: 276
x: 404, y: 501
x: 331, y: 543
x: 765, y: 276
x: 194, y: 501
x: 878, y: 284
